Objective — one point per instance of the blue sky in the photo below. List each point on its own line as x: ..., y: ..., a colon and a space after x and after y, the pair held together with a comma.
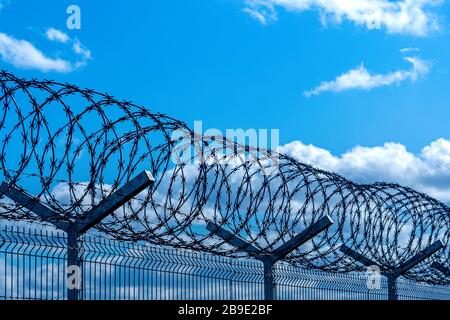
x: 248, y: 64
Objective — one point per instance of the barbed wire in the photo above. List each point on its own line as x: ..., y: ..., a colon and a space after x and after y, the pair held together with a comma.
x: 71, y: 148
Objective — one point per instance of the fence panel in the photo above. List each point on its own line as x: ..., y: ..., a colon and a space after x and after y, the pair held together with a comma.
x: 33, y: 267
x: 121, y: 271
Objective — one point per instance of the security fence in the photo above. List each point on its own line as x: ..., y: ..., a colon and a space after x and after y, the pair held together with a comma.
x: 33, y: 267
x: 232, y: 215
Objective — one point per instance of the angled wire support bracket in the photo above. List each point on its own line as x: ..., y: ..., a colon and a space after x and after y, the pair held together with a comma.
x: 279, y: 253
x: 33, y: 205
x: 89, y: 219
x: 232, y: 239
x: 114, y: 202
x: 276, y: 255
x: 396, y: 272
x: 418, y: 258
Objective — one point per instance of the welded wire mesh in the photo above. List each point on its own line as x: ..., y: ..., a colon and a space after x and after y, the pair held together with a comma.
x: 33, y: 267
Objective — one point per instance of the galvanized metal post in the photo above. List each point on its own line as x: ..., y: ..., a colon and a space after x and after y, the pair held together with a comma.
x: 269, y: 283
x: 278, y: 254
x: 392, y: 288
x: 393, y: 274
x: 89, y: 219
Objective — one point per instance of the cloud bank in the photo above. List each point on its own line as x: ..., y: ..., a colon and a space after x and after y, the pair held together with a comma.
x: 413, y: 17
x: 24, y: 55
x: 362, y: 79
x: 428, y: 171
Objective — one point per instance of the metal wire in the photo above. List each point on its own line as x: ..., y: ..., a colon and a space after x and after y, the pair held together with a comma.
x: 73, y: 147
x: 32, y: 267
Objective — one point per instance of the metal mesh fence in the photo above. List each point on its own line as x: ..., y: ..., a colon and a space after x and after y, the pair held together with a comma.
x: 33, y: 267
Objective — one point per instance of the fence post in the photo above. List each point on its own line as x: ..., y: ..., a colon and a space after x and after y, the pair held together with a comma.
x: 276, y: 255
x: 393, y: 274
x: 88, y: 220
x: 392, y: 288
x: 269, y: 283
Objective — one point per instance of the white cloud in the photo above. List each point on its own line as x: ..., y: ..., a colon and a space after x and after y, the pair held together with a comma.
x: 407, y: 50
x: 263, y: 16
x: 428, y: 171
x: 57, y: 35
x: 413, y: 17
x: 78, y: 48
x: 23, y: 54
x: 362, y: 79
